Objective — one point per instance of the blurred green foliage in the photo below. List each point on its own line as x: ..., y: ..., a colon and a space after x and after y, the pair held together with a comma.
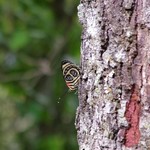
x: 34, y: 37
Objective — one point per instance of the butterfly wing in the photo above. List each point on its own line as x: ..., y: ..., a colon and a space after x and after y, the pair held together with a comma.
x: 71, y: 74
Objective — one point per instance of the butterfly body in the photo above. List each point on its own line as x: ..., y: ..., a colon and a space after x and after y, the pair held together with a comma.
x: 71, y: 74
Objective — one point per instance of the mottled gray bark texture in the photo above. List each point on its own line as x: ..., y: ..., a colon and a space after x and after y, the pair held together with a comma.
x: 114, y: 91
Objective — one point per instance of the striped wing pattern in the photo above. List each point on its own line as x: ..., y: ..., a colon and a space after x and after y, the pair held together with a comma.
x: 71, y: 74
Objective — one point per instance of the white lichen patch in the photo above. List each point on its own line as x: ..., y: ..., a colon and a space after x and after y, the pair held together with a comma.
x: 85, y: 75
x: 81, y: 13
x: 91, y: 26
x: 99, y: 71
x: 96, y: 82
x: 83, y: 121
x: 107, y: 107
x: 90, y: 99
x: 145, y: 124
x: 111, y: 73
x: 96, y: 93
x: 121, y: 112
x: 109, y: 96
x: 120, y: 55
x: 106, y: 58
x: 84, y: 147
x: 129, y: 33
x: 108, y: 82
x: 112, y: 63
x: 146, y: 17
x: 91, y: 23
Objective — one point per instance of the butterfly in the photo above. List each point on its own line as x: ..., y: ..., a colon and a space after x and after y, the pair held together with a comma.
x: 71, y: 74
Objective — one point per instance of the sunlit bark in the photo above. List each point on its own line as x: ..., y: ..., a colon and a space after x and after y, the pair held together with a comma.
x: 114, y: 92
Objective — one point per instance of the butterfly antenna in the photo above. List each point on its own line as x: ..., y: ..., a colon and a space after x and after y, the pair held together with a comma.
x: 62, y: 95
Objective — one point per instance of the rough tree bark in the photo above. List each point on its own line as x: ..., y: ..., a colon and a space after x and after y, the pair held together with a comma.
x: 114, y: 91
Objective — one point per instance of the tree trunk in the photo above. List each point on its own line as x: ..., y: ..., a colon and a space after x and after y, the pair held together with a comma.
x: 114, y: 91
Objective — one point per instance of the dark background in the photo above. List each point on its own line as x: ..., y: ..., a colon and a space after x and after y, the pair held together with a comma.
x: 35, y: 36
